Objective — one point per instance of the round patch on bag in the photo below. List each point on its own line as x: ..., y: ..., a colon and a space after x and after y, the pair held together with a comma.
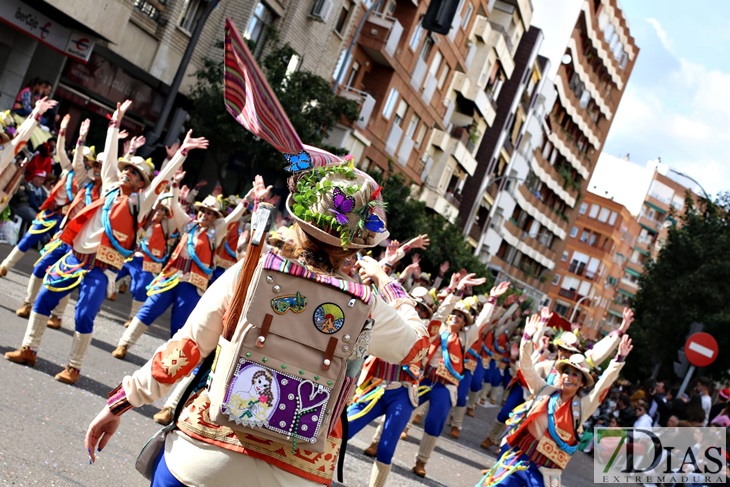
x: 328, y: 318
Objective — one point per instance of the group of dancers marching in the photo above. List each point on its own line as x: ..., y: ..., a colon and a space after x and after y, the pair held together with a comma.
x: 112, y: 217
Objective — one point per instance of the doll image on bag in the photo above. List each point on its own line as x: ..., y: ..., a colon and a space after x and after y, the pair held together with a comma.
x: 254, y: 404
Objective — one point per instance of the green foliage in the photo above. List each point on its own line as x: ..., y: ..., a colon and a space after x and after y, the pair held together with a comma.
x: 688, y: 282
x: 408, y: 218
x: 306, y: 98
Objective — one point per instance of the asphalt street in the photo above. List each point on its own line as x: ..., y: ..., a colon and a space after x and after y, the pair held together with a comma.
x: 43, y: 421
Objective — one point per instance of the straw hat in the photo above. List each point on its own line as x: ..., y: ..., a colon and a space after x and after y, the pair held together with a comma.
x: 579, y: 362
x: 164, y: 200
x: 462, y: 308
x: 212, y: 203
x: 340, y: 206
x: 567, y: 341
x: 421, y: 296
x: 145, y: 167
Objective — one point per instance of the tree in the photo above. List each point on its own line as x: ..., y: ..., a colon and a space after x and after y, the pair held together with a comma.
x: 408, y: 217
x: 307, y: 99
x: 688, y: 282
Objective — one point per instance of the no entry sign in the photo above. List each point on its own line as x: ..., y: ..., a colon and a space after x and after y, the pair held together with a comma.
x: 701, y: 349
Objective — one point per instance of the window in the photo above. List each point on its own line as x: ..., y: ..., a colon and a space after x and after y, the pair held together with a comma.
x: 573, y: 232
x: 192, y: 12
x: 592, y: 239
x: 612, y: 219
x: 584, y: 236
x: 426, y: 49
x: 583, y: 208
x: 390, y: 103
x: 436, y: 63
x: 594, y: 210
x: 565, y: 256
x: 570, y: 283
x: 561, y: 309
x: 258, y: 28
x: 148, y: 9
x: 412, y: 125
x: 342, y: 20
x: 353, y: 74
x: 416, y: 37
x: 556, y: 279
x: 467, y: 15
x: 420, y: 135
x: 400, y: 113
x: 442, y: 77
x: 603, y: 215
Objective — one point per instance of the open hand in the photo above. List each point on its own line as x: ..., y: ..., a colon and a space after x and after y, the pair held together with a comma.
x: 191, y: 142
x: 420, y: 242
x: 499, y: 289
x: 170, y: 151
x: 391, y: 252
x: 625, y: 347
x: 84, y: 129
x: 471, y: 281
x: 259, y: 191
x: 64, y: 122
x: 628, y: 319
x: 443, y: 268
x: 44, y: 104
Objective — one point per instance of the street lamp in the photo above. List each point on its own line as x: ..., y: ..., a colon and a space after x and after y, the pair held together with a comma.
x: 575, y: 307
x: 707, y: 197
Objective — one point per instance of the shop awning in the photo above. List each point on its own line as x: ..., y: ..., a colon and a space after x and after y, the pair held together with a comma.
x: 625, y: 292
x: 660, y: 210
x: 641, y: 251
x: 651, y: 229
x: 632, y: 272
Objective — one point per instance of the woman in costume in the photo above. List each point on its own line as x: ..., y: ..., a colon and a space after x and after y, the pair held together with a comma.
x: 544, y: 433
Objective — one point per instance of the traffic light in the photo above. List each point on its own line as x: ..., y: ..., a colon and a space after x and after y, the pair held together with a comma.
x: 440, y: 15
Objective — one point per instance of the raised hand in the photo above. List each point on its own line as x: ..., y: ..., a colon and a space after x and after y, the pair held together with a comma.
x: 532, y: 325
x: 122, y: 108
x: 625, y: 347
x: 499, y: 289
x: 64, y: 122
x: 628, y: 319
x: 471, y: 281
x: 509, y: 301
x: 391, y: 252
x: 137, y: 142
x: 259, y: 191
x: 369, y: 268
x: 84, y: 129
x: 420, y: 242
x: 44, y: 104
x: 172, y: 150
x: 179, y: 175
x: 416, y: 259
x: 191, y: 142
x: 123, y: 134
x: 443, y: 268
x: 545, y: 313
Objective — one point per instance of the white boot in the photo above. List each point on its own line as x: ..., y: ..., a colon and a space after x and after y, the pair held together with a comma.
x: 131, y: 335
x: 457, y: 416
x: 378, y: 432
x: 78, y: 349
x: 472, y: 398
x: 13, y: 257
x: 495, y: 397
x: 428, y: 443
x: 379, y: 474
x: 34, y: 331
x: 34, y: 286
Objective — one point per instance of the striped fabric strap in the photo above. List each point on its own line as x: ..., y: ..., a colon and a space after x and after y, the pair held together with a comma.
x: 276, y: 263
x: 392, y: 291
x: 251, y: 101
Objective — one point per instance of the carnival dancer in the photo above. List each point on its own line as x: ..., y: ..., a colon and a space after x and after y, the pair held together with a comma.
x: 444, y: 368
x: 226, y: 254
x: 52, y: 209
x: 544, y: 433
x: 495, y: 347
x: 202, y: 453
x: 185, y: 277
x: 102, y: 235
x: 11, y: 148
x: 85, y: 188
x: 391, y: 390
x: 566, y: 344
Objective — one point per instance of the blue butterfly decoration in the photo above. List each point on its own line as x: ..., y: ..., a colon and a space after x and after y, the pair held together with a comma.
x: 375, y: 224
x: 298, y: 162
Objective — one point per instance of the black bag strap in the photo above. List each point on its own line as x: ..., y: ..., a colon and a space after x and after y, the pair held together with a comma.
x: 343, y: 445
x: 194, y: 385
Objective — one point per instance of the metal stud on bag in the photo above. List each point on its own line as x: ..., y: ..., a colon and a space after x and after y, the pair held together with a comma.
x: 269, y: 279
x: 346, y: 338
x: 277, y: 289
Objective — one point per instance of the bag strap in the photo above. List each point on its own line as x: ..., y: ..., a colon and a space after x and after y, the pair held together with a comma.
x: 195, y: 383
x: 260, y: 224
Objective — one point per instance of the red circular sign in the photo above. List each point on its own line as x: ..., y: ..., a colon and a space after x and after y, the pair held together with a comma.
x: 701, y: 349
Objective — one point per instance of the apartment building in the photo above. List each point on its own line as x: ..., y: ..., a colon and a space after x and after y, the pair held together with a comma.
x: 99, y: 52
x: 542, y: 186
x: 427, y: 100
x: 595, y: 276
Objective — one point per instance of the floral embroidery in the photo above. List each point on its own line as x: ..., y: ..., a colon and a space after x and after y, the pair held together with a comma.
x: 175, y: 361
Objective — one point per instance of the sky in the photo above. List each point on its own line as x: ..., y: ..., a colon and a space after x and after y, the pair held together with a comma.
x: 677, y: 102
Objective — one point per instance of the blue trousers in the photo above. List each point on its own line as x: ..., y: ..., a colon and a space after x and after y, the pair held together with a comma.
x: 140, y: 279
x: 397, y: 408
x: 217, y: 272
x: 489, y: 372
x: 463, y: 390
x: 438, y: 411
x: 477, y: 377
x: 183, y: 298
x: 520, y: 478
x: 162, y: 476
x: 514, y: 399
x: 50, y: 258
x: 31, y: 239
x: 92, y: 291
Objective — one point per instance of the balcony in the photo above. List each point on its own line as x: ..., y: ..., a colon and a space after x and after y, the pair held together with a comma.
x: 604, y: 51
x: 365, y: 102
x: 380, y: 37
x: 537, y: 246
x: 447, y: 206
x: 649, y: 223
x: 570, y: 294
x: 471, y: 91
x: 572, y: 105
x: 588, y: 76
x: 482, y: 29
x: 498, y: 39
x: 515, y: 273
x: 550, y: 176
x: 559, y: 141
x: 540, y: 212
x: 661, y: 205
x: 458, y: 145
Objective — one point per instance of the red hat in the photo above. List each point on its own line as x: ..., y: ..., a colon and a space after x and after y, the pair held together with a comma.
x: 725, y: 393
x: 39, y: 174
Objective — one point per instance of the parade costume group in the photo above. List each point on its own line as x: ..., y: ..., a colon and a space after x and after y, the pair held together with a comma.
x: 262, y: 412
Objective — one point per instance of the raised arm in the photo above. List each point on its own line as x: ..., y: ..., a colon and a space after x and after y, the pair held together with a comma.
x: 79, y: 167
x: 179, y: 217
x: 24, y: 131
x: 61, y: 144
x: 148, y: 195
x: 605, y: 347
x: 592, y: 400
x: 533, y: 379
x: 109, y: 169
x: 483, y: 318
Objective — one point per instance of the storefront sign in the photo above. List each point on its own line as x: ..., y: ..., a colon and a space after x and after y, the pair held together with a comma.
x: 28, y: 20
